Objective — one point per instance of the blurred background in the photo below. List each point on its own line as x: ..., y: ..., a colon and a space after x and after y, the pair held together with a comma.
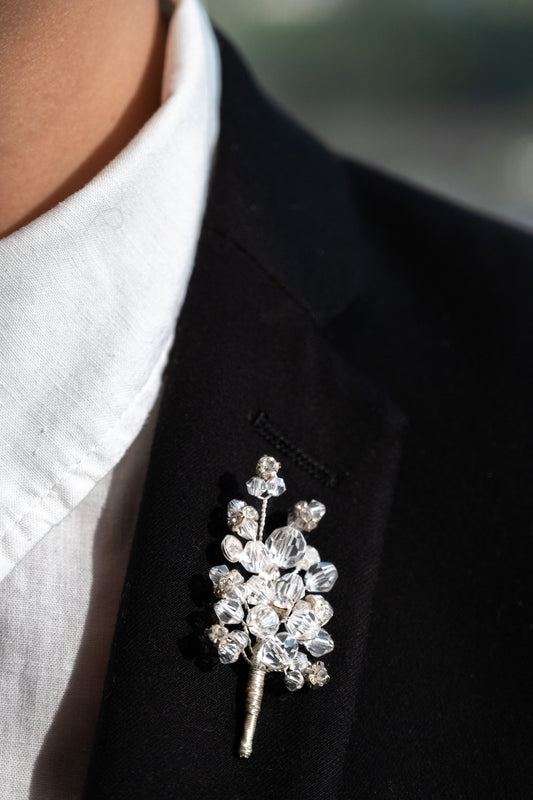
x: 439, y: 91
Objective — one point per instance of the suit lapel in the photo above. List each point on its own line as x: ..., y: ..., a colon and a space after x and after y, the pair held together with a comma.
x: 250, y: 373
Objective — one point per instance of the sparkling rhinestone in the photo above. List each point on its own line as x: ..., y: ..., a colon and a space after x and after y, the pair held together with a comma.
x: 262, y: 621
x: 310, y: 557
x: 216, y: 573
x: 290, y: 644
x: 255, y: 557
x: 256, y: 486
x: 235, y: 520
x: 289, y: 590
x: 231, y: 585
x: 267, y: 467
x: 273, y: 655
x: 294, y: 680
x: 216, y: 633
x: 302, y: 623
x: 317, y: 674
x: 300, y: 515
x: 228, y: 651
x: 248, y: 529
x: 229, y: 611
x: 321, y: 607
x: 231, y: 548
x: 259, y: 589
x: 275, y: 486
x: 321, y: 577
x: 321, y: 644
x: 287, y: 546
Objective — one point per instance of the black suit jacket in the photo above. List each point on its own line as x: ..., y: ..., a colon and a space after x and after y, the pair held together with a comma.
x: 379, y: 342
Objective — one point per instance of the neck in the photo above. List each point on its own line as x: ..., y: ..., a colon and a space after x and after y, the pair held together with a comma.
x: 77, y: 81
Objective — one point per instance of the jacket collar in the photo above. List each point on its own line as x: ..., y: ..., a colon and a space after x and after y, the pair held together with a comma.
x: 250, y: 372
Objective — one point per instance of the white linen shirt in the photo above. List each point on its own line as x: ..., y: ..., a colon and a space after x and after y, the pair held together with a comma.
x: 89, y: 297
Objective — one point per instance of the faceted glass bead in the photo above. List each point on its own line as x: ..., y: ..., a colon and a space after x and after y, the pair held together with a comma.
x: 302, y: 623
x: 229, y: 611
x: 235, y: 505
x: 275, y: 486
x: 287, y: 546
x: 259, y: 589
x: 248, y: 529
x: 289, y: 643
x: 256, y: 486
x: 216, y: 633
x: 289, y: 589
x: 321, y: 577
x: 310, y: 557
x: 273, y: 655
x: 321, y: 644
x: 317, y: 674
x: 255, y: 557
x: 216, y: 573
x: 317, y: 510
x: 228, y: 651
x: 240, y: 638
x: 262, y: 621
x: 267, y: 467
x: 231, y: 548
x: 249, y: 512
x: 321, y: 607
x: 300, y: 661
x: 294, y: 680
x: 300, y: 515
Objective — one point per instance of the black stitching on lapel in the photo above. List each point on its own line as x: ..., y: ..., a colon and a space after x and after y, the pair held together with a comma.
x: 261, y: 423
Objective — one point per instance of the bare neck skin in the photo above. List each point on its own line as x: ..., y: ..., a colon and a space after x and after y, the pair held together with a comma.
x: 77, y: 81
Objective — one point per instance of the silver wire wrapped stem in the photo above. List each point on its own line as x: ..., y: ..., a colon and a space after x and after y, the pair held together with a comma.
x: 254, y: 696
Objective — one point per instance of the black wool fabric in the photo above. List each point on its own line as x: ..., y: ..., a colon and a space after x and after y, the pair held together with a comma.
x: 378, y: 342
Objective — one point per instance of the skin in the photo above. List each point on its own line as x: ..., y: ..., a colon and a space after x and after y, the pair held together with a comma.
x: 77, y: 81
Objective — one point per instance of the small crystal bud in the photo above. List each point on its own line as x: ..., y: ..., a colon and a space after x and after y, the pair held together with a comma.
x: 273, y: 655
x: 289, y: 589
x: 231, y: 548
x: 321, y: 577
x: 259, y: 589
x: 302, y: 623
x: 248, y: 529
x: 241, y: 638
x: 267, y: 467
x: 255, y: 557
x: 294, y: 680
x: 286, y: 546
x: 306, y: 516
x: 216, y: 633
x: 321, y: 607
x: 275, y: 487
x: 262, y: 621
x: 317, y: 674
x: 321, y: 644
x: 228, y: 651
x: 256, y: 486
x: 249, y: 512
x: 216, y: 573
x: 229, y: 611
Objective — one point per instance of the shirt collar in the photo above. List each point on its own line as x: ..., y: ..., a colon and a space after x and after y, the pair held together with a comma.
x: 89, y: 295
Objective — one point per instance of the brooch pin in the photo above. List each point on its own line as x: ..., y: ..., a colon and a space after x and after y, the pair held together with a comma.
x: 277, y: 614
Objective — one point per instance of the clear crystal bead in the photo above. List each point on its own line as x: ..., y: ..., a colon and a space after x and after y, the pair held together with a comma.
x: 275, y: 486
x: 294, y: 680
x: 231, y: 586
x: 321, y: 607
x: 273, y: 655
x: 259, y: 589
x: 216, y: 633
x: 321, y: 644
x: 262, y: 621
x: 216, y: 573
x: 235, y: 505
x: 317, y: 674
x: 249, y: 512
x: 267, y: 467
x: 248, y: 529
x: 231, y: 548
x: 229, y: 611
x: 287, y: 546
x: 302, y: 623
x: 317, y: 509
x: 228, y: 651
x: 310, y: 557
x: 255, y: 557
x: 300, y: 661
x: 289, y: 589
x: 256, y: 486
x: 321, y: 577
x: 240, y: 638
x: 306, y: 516
x: 290, y: 644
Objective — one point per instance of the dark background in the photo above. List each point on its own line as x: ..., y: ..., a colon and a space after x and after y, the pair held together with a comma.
x: 439, y: 91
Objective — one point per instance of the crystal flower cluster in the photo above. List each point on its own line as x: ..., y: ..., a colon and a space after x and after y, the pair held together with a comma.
x: 277, y: 613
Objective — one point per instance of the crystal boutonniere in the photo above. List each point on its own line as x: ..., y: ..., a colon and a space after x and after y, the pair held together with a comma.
x: 277, y: 614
